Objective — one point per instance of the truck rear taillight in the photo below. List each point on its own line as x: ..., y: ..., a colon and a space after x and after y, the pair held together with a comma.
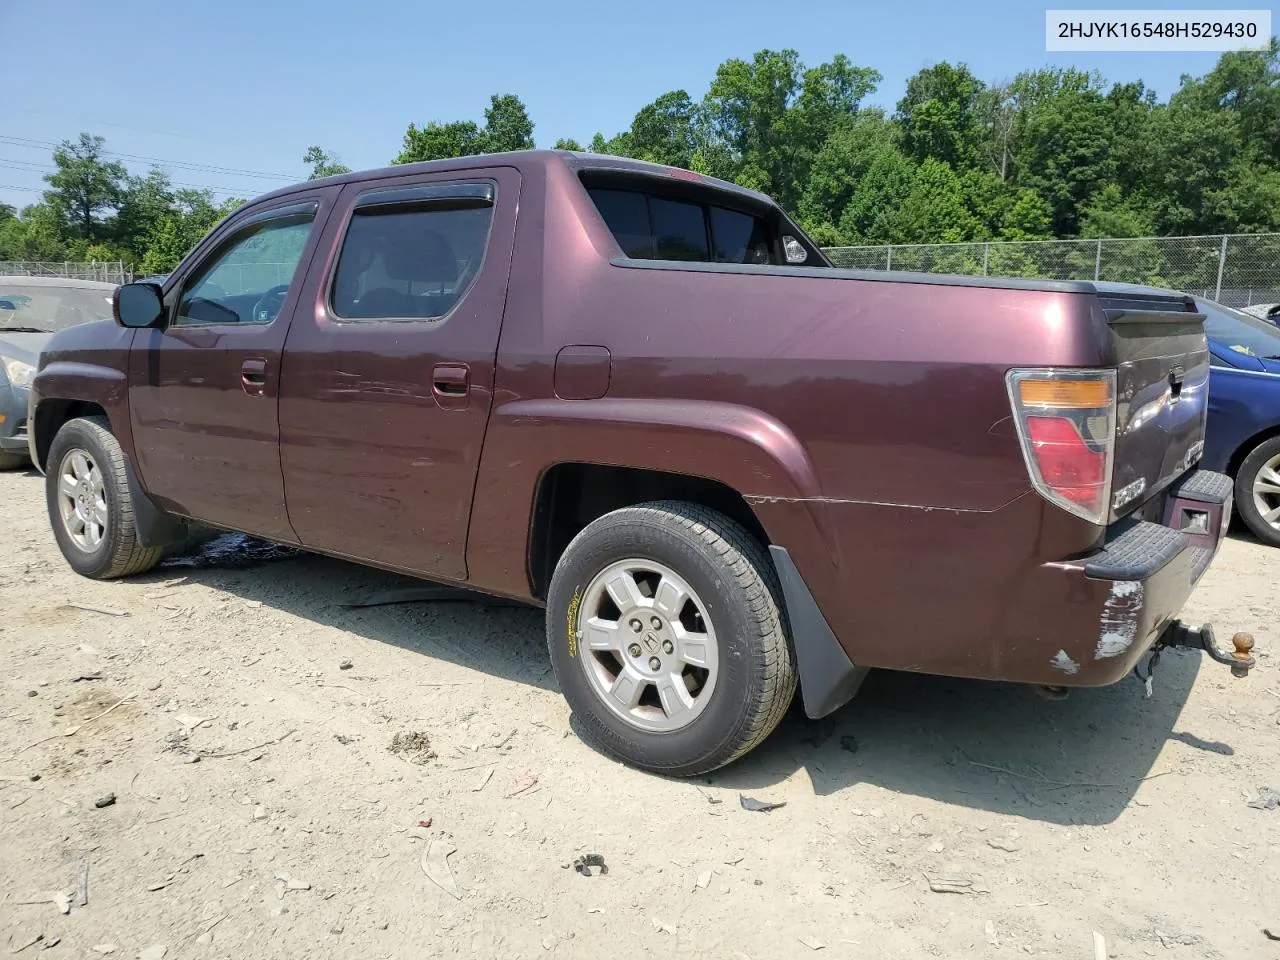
x: 1066, y: 422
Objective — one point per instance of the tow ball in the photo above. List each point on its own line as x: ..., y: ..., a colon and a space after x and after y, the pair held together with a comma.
x: 1178, y: 634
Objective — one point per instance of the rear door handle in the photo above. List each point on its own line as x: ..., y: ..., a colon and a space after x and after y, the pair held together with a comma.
x: 253, y: 376
x: 450, y: 383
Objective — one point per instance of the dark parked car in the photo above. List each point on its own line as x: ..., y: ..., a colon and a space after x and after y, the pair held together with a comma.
x: 32, y: 309
x: 1243, y: 436
x: 607, y: 387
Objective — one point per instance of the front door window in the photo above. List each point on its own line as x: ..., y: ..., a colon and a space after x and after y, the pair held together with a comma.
x: 248, y: 280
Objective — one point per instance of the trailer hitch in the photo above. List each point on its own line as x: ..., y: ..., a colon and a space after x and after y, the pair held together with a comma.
x: 1178, y: 634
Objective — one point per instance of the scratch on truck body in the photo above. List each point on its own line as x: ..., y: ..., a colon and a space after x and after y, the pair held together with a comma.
x: 1064, y: 663
x: 1119, y: 621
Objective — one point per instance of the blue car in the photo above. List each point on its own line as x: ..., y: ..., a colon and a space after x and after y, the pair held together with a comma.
x: 1243, y: 436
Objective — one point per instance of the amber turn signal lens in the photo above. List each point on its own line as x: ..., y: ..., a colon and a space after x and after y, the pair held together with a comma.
x: 1069, y: 394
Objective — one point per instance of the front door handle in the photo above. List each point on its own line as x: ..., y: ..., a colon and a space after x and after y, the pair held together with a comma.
x: 253, y: 376
x: 450, y: 383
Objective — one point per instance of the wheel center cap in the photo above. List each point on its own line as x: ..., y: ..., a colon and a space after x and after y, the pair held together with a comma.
x: 651, y: 643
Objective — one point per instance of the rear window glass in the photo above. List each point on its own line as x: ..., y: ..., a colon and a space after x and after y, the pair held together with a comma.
x: 739, y: 238
x: 679, y: 230
x: 627, y: 215
x: 649, y: 227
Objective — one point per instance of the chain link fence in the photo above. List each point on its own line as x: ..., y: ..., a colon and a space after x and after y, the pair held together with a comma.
x: 114, y: 271
x: 1238, y: 269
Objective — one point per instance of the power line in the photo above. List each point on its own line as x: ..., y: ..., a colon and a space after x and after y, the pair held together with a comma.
x: 30, y: 144
x: 27, y: 166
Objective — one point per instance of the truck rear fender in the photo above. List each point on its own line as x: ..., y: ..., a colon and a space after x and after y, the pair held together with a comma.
x: 722, y: 450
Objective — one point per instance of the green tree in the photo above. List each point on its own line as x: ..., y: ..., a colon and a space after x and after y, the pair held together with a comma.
x: 940, y: 113
x: 143, y: 200
x: 771, y: 116
x: 507, y: 125
x: 1026, y: 216
x: 995, y: 114
x: 1062, y: 141
x: 440, y: 141
x: 1247, y: 85
x: 37, y: 234
x: 322, y: 164
x: 665, y: 131
x: 1188, y: 154
x: 86, y: 188
x: 840, y: 165
x: 1113, y: 214
x: 568, y: 143
x: 934, y: 209
x: 871, y: 215
x: 746, y: 109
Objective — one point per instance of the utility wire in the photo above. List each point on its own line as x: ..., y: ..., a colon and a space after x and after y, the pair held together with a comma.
x: 26, y: 166
x: 30, y: 144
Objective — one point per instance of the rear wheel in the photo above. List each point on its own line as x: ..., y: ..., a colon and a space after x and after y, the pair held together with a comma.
x: 1258, y: 491
x: 665, y: 630
x: 90, y: 505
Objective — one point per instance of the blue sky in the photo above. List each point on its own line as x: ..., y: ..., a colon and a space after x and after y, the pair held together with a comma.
x: 249, y: 84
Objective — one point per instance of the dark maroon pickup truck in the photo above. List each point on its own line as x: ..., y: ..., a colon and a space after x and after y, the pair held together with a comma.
x: 643, y: 398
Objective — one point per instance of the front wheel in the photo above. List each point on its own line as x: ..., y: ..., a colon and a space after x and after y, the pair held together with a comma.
x: 90, y: 504
x: 1258, y: 491
x: 665, y: 629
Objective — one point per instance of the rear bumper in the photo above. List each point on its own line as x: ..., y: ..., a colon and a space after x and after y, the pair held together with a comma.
x: 956, y: 594
x: 1125, y: 595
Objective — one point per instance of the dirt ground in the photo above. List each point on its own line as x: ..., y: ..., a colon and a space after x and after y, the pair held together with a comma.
x: 299, y: 833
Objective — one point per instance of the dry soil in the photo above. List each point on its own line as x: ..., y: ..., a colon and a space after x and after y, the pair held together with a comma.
x: 242, y: 716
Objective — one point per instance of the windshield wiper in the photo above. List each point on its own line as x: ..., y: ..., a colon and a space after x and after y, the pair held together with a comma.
x: 23, y: 330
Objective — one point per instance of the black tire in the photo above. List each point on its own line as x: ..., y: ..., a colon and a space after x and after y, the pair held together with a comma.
x: 736, y: 581
x: 119, y: 554
x: 12, y: 461
x: 1245, y: 478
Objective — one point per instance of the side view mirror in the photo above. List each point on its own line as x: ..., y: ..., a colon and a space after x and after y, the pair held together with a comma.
x: 796, y: 253
x: 138, y: 305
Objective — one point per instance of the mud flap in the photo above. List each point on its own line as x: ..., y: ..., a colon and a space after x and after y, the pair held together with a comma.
x: 155, y: 527
x: 828, y: 678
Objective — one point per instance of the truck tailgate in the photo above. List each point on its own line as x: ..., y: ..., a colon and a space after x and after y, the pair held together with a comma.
x: 1162, y: 393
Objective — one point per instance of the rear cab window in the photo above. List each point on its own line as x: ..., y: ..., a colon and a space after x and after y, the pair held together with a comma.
x: 650, y: 223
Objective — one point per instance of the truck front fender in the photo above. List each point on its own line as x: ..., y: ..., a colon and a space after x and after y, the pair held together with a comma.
x: 64, y: 388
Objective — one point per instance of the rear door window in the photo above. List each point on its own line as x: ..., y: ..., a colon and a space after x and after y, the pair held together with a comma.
x: 413, y: 262
x: 651, y: 227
